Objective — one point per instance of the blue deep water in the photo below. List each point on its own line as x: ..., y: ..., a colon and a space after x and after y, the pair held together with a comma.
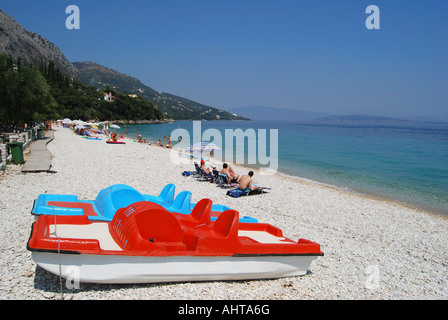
x: 408, y: 163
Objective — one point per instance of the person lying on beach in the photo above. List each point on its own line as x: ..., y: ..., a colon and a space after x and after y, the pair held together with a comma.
x: 231, y: 177
x: 245, y: 182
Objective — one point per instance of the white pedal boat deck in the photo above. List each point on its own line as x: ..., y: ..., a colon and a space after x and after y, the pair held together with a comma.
x: 145, y: 243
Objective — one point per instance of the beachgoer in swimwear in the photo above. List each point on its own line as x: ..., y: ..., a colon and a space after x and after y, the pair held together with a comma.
x: 169, y: 143
x: 226, y: 170
x: 232, y: 173
x: 206, y: 170
x: 245, y: 182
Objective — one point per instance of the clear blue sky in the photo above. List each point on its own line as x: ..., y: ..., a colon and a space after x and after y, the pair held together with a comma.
x: 311, y: 55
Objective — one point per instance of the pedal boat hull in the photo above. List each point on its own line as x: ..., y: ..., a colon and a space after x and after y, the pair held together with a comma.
x: 145, y: 243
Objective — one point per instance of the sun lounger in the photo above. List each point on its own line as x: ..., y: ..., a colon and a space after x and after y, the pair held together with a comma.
x: 224, y: 182
x: 199, y: 172
x: 197, y: 168
x: 204, y: 176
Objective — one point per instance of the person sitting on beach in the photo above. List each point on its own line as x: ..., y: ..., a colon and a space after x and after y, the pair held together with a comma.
x: 206, y: 170
x: 159, y: 143
x: 232, y: 178
x: 245, y: 182
x: 231, y: 172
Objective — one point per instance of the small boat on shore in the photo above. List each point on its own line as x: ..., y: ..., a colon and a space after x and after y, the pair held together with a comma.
x: 118, y: 196
x: 145, y: 243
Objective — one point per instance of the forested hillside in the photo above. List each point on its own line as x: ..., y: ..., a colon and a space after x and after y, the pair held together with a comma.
x: 42, y: 92
x: 171, y: 105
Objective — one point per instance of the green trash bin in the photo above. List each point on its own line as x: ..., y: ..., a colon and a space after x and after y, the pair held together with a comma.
x: 17, y: 152
x: 40, y: 133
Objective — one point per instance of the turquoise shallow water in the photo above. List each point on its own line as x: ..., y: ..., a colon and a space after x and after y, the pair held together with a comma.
x: 405, y: 163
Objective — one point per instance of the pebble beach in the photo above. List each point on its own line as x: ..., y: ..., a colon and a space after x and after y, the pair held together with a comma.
x: 374, y: 249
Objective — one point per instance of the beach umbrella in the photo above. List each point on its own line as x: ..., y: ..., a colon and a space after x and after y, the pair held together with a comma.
x: 79, y: 122
x: 66, y: 120
x: 211, y: 146
x: 114, y: 126
x: 79, y: 126
x: 204, y: 146
x: 90, y: 124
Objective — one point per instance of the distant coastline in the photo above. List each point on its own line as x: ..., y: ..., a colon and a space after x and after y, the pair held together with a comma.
x: 267, y: 113
x: 124, y: 122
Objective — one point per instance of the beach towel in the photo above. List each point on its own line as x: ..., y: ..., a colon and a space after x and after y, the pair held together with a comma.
x: 236, y: 193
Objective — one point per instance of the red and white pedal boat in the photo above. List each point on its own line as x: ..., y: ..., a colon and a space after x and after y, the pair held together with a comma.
x: 145, y: 243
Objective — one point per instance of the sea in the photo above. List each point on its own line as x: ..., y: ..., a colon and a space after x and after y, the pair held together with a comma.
x: 403, y: 162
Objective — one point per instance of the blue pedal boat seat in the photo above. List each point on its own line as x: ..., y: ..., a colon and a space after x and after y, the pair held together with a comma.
x: 118, y: 196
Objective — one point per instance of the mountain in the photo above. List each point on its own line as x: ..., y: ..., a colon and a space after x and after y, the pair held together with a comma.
x: 377, y: 120
x: 292, y: 115
x: 277, y: 114
x: 95, y: 75
x: 173, y: 106
x: 37, y: 83
x: 30, y: 47
x: 357, y: 118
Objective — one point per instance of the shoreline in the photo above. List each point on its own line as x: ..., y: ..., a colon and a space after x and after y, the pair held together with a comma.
x: 364, y: 193
x: 361, y: 193
x: 357, y: 191
x: 356, y: 233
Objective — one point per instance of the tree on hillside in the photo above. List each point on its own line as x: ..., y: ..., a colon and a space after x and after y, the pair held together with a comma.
x: 42, y: 92
x: 25, y: 95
